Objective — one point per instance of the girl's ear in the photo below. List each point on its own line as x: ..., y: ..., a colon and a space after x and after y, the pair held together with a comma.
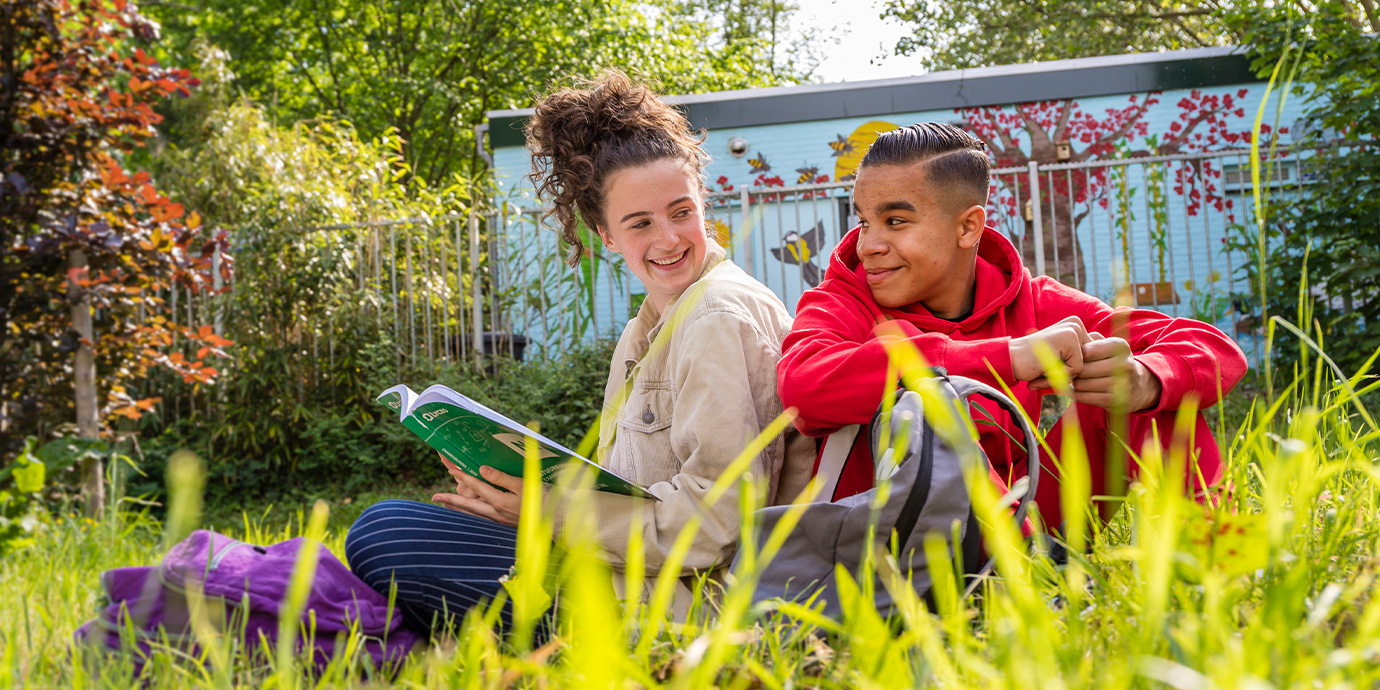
x: 607, y: 238
x: 970, y: 224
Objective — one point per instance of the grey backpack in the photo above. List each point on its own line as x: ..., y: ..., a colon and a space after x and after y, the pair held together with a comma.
x: 928, y: 494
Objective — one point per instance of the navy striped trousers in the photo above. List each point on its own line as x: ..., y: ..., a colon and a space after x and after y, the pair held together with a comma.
x: 442, y: 562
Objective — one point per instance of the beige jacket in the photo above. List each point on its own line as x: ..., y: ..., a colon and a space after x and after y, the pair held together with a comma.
x: 697, y: 397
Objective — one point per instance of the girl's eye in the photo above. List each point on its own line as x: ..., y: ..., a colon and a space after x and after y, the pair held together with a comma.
x: 683, y: 213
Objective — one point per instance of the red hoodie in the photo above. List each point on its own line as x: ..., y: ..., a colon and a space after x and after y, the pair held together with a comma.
x: 833, y: 368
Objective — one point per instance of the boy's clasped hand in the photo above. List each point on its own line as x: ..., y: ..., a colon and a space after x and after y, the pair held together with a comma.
x: 1095, y: 363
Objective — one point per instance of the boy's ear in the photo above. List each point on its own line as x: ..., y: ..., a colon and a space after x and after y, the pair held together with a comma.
x: 971, y: 221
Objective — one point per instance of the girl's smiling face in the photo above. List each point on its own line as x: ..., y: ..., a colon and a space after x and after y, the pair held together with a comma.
x: 654, y: 217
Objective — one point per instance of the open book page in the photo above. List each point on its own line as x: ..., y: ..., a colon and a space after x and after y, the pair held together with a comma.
x: 442, y: 393
x: 399, y: 398
x: 471, y: 435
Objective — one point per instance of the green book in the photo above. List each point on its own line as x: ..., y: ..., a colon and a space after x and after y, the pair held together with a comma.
x: 472, y: 435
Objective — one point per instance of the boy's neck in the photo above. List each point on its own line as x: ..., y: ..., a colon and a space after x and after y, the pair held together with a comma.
x: 959, y: 303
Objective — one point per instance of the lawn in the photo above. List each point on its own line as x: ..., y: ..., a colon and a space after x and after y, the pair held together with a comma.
x: 1269, y: 587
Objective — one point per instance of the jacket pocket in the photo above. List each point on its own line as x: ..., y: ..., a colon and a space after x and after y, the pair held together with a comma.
x: 642, y: 447
x: 647, y: 410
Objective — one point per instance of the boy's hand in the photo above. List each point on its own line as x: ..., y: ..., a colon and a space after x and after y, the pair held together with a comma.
x: 1103, y: 358
x: 1065, y: 338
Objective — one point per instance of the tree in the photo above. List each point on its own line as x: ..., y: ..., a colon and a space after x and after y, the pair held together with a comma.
x: 955, y: 35
x: 429, y: 70
x: 757, y: 33
x: 1028, y: 132
x: 1326, y: 235
x: 85, y: 244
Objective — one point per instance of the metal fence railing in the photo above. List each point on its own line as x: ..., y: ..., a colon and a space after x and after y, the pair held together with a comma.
x: 1154, y: 232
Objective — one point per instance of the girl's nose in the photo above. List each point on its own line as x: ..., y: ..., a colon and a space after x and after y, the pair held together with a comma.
x: 665, y: 232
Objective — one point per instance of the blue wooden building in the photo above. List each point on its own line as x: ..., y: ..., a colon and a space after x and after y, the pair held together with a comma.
x: 1125, y: 176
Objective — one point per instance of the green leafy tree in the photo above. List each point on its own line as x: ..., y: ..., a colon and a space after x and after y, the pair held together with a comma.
x: 427, y: 71
x: 956, y: 35
x: 301, y: 311
x: 86, y: 245
x: 1325, y: 233
x: 754, y: 35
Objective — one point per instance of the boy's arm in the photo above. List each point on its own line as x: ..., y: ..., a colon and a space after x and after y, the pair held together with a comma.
x: 833, y: 366
x: 1187, y: 356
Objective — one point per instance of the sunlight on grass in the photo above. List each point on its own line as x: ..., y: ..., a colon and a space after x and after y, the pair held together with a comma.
x: 1270, y: 585
x: 1266, y: 584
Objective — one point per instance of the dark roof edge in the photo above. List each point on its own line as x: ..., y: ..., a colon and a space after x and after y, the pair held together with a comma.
x: 1037, y: 81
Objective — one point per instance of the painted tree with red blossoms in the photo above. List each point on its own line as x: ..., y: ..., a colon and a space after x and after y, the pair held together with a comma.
x: 1028, y: 132
x: 87, y: 246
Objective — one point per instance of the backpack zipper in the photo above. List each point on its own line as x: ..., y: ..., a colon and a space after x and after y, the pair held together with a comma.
x: 220, y: 556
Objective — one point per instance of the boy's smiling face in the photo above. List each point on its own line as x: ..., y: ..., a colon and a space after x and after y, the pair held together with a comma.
x: 918, y: 241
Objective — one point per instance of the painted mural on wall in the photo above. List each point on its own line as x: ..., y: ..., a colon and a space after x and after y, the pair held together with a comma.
x: 1069, y: 131
x: 1052, y: 132
x: 802, y: 249
x: 850, y: 150
x: 1152, y: 234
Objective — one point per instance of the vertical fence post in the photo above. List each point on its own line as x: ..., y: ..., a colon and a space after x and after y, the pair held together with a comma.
x: 393, y: 292
x: 1038, y: 225
x: 746, y: 227
x: 445, y: 298
x: 459, y: 293
x: 476, y: 296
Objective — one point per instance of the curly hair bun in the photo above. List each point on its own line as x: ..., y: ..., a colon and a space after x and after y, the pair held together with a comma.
x: 580, y: 136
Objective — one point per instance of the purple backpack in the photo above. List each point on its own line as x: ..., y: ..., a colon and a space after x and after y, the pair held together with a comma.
x: 251, y: 583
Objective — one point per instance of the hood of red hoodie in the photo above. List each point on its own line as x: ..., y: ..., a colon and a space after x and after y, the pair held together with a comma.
x: 999, y: 275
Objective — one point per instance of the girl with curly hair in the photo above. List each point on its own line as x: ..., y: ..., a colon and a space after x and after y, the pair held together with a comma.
x: 692, y: 381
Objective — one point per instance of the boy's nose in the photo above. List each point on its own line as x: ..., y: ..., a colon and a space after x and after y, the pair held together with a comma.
x: 869, y: 244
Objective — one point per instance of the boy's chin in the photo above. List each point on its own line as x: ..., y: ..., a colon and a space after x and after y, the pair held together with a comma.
x: 889, y: 300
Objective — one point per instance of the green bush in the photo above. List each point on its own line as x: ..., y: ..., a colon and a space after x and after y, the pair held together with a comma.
x: 1322, y: 266
x: 266, y: 449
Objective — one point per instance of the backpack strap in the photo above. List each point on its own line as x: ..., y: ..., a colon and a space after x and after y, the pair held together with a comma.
x: 966, y: 388
x: 920, y: 489
x: 837, y: 447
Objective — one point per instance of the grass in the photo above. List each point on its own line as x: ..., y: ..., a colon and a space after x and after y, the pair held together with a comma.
x: 1270, y: 588
x: 1269, y: 585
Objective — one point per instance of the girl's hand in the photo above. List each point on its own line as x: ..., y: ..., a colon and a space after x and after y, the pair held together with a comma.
x: 456, y: 473
x: 502, y: 505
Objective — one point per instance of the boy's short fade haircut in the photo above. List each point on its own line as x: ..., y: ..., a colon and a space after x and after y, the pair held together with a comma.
x: 951, y: 158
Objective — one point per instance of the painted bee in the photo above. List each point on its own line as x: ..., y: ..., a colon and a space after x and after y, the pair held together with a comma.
x: 807, y: 174
x: 842, y: 146
x: 759, y: 164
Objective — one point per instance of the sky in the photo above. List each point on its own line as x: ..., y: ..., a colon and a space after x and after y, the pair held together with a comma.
x: 865, y: 42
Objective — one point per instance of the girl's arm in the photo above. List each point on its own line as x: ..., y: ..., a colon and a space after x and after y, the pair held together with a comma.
x: 720, y: 368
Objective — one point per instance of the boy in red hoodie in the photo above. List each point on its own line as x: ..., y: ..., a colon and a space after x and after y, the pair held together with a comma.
x: 924, y: 259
